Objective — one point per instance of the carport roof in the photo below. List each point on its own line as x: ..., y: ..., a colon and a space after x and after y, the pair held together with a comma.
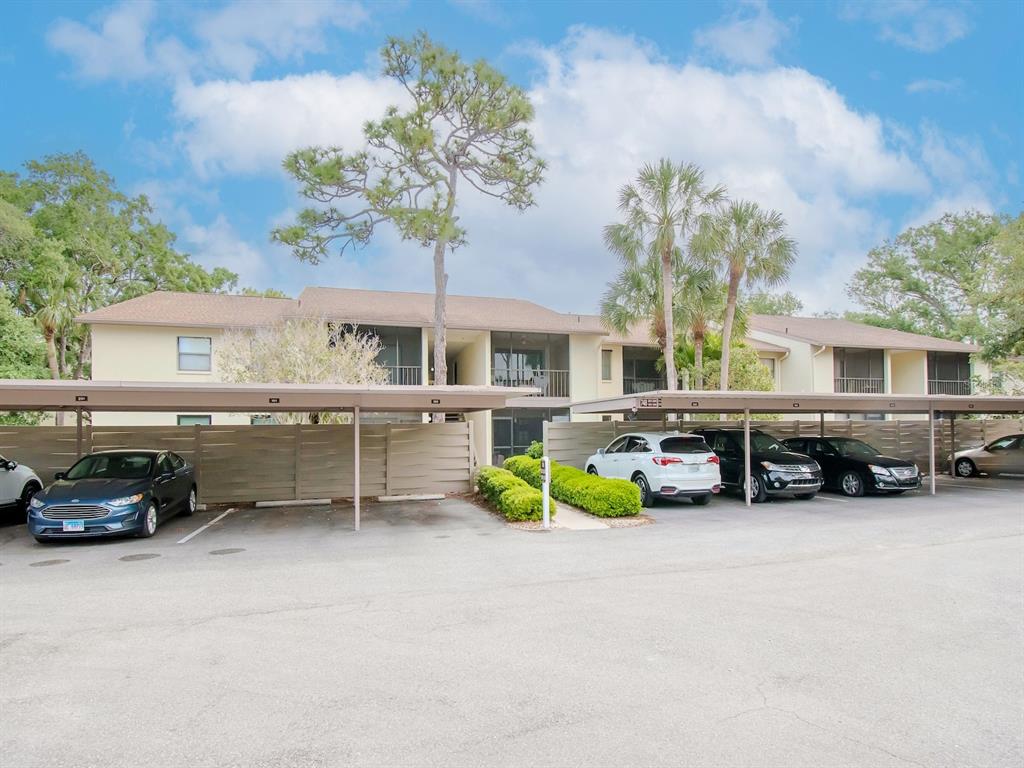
x: 798, y: 402
x: 184, y: 397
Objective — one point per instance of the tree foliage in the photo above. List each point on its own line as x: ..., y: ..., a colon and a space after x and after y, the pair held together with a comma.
x: 466, y: 123
x: 22, y: 353
x: 768, y: 303
x: 939, y: 279
x: 70, y: 242
x: 301, y: 351
x: 668, y: 213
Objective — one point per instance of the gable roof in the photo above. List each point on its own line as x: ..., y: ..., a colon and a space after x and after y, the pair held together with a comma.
x: 209, y: 310
x: 835, y: 332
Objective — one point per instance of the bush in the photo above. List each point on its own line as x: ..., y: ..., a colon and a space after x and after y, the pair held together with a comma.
x: 536, y: 450
x: 601, y: 496
x: 514, y: 498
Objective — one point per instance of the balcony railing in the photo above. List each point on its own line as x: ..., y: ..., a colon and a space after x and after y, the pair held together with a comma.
x: 636, y: 386
x: 860, y: 386
x: 551, y: 383
x: 949, y: 387
x: 404, y: 374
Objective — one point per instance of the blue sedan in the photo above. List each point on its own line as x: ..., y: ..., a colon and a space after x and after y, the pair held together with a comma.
x: 114, y: 493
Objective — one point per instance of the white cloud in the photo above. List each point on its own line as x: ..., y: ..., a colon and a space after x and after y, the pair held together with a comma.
x: 920, y: 25
x: 239, y: 36
x: 747, y: 37
x: 229, y: 126
x: 935, y: 86
x: 121, y: 42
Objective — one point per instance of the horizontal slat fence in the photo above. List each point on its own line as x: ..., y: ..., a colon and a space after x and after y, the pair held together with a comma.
x: 273, y: 462
x: 572, y: 442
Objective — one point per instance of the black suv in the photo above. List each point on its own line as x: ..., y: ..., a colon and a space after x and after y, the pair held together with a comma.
x: 774, y: 469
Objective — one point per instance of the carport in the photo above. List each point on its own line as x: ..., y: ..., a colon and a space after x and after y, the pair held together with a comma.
x: 205, y: 397
x: 663, y: 402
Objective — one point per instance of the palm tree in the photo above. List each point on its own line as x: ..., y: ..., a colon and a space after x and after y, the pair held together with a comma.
x: 664, y: 209
x: 755, y: 250
x: 700, y: 311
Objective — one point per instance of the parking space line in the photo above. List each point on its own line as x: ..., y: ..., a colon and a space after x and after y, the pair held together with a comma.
x: 819, y: 497
x: 966, y: 487
x: 202, y: 528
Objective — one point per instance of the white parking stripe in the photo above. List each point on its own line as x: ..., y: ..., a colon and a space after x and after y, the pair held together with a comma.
x: 199, y: 530
x: 819, y: 497
x: 970, y: 487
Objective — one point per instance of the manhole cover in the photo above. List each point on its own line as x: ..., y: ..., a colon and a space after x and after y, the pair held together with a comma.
x: 229, y: 551
x: 41, y: 563
x: 140, y: 556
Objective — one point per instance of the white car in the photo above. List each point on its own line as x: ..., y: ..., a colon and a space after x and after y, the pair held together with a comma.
x: 665, y: 465
x: 18, y: 484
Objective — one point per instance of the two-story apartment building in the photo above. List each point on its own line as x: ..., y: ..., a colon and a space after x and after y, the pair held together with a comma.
x: 816, y: 354
x: 166, y: 336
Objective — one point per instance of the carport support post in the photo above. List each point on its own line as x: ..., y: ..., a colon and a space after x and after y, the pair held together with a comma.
x: 355, y: 462
x: 78, y: 432
x: 821, y: 424
x: 931, y: 447
x: 746, y: 454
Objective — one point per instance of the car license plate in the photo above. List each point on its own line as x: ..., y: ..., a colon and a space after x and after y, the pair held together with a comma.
x: 695, y: 467
x: 74, y: 526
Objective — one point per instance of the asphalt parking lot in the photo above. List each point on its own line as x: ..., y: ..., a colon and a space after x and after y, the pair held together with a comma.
x: 864, y: 632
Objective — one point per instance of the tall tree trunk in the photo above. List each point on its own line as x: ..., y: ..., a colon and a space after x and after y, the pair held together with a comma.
x: 441, y: 293
x: 669, y: 348
x: 84, y: 355
x: 730, y: 315
x: 51, y: 361
x: 698, y: 360
x: 62, y: 359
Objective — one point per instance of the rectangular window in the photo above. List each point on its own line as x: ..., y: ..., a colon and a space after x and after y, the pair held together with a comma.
x: 769, y: 363
x: 606, y: 365
x: 194, y: 353
x: 258, y: 420
x: 192, y: 419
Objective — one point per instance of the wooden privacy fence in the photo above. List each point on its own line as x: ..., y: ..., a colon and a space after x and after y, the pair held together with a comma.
x: 274, y: 462
x: 572, y: 442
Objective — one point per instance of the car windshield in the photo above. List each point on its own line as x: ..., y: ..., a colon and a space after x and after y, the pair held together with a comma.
x: 856, y: 448
x: 684, y: 444
x: 120, y: 466
x: 763, y: 443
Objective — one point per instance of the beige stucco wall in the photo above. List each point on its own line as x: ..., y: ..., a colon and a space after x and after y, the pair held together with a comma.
x: 800, y: 370
x: 149, y: 353
x: 585, y: 371
x: 908, y: 372
x: 474, y: 363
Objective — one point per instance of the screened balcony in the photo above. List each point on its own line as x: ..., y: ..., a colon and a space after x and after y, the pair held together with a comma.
x: 949, y: 373
x: 861, y: 371
x: 531, y: 360
x: 401, y: 352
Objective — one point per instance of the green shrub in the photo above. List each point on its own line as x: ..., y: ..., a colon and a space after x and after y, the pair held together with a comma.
x: 514, y: 498
x: 536, y: 449
x: 601, y: 496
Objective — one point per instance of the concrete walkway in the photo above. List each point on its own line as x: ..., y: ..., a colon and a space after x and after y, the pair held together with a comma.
x: 574, y: 520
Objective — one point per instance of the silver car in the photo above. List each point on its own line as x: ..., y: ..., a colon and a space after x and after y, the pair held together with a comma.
x: 1005, y: 454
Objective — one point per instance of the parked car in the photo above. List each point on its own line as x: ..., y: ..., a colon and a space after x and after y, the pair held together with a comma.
x: 1003, y: 455
x: 114, y: 493
x: 853, y: 467
x: 662, y: 465
x: 18, y: 484
x: 774, y: 469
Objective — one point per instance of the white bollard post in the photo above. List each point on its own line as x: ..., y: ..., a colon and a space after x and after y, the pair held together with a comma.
x: 545, y: 488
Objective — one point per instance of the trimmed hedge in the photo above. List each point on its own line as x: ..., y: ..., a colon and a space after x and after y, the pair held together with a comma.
x: 536, y: 449
x: 514, y: 498
x: 601, y: 496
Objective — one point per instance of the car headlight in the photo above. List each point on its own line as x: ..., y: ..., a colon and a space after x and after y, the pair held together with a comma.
x: 36, y: 503
x: 124, y: 501
x: 917, y: 470
x: 879, y: 470
x: 771, y: 467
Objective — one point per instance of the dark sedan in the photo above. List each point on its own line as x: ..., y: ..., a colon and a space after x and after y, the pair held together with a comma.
x: 854, y: 468
x: 774, y: 469
x: 114, y: 493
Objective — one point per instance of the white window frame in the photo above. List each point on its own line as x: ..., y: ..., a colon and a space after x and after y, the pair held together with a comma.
x: 611, y: 365
x: 209, y: 356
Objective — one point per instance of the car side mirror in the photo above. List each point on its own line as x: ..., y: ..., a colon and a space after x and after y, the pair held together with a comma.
x: 10, y: 465
x: 600, y: 451
x: 60, y: 476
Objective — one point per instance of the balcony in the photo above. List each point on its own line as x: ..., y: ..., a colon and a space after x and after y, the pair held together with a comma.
x: 860, y: 386
x: 552, y: 383
x: 636, y: 386
x: 949, y: 387
x: 404, y: 374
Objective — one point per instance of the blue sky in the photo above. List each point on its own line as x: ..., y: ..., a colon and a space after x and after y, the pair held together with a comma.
x: 854, y: 120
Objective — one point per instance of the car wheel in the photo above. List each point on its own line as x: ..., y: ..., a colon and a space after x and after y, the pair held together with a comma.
x: 804, y: 496
x: 701, y: 501
x: 965, y: 468
x: 646, y: 499
x: 851, y: 484
x: 591, y: 470
x: 190, y: 504
x: 30, y: 490
x: 757, y: 491
x: 149, y: 522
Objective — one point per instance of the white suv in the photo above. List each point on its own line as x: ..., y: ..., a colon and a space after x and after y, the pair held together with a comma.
x: 18, y: 484
x: 664, y: 465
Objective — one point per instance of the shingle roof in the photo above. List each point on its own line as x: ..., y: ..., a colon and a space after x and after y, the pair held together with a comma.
x: 835, y: 332
x: 214, y: 310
